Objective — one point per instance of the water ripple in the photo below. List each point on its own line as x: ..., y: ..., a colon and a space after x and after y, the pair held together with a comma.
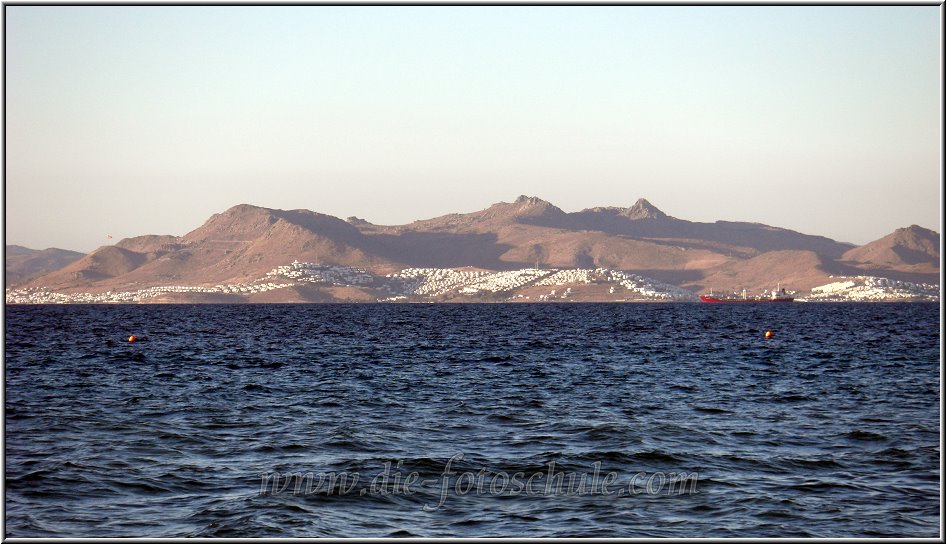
x: 809, y: 434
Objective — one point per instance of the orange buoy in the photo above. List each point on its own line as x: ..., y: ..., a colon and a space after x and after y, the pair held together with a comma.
x: 132, y: 338
x: 768, y: 334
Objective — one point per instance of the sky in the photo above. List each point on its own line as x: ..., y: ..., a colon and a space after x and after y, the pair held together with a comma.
x: 136, y: 120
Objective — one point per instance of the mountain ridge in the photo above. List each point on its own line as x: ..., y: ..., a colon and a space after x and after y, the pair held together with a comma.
x: 23, y: 263
x: 246, y: 241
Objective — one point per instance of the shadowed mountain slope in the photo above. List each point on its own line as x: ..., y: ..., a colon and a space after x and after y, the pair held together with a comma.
x: 910, y: 254
x: 245, y: 242
x: 913, y: 245
x: 23, y: 263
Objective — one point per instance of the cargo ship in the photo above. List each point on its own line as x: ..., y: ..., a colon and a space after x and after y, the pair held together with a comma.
x: 779, y: 295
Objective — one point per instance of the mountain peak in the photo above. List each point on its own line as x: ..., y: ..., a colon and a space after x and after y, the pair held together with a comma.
x: 642, y: 209
x: 916, y: 235
x: 244, y: 208
x: 524, y: 206
x: 916, y: 230
x: 239, y: 222
x: 913, y: 245
x: 524, y: 209
x: 533, y: 206
x: 530, y: 200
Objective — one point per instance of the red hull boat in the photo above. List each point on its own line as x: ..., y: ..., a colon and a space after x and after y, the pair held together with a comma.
x: 708, y: 298
x: 778, y: 295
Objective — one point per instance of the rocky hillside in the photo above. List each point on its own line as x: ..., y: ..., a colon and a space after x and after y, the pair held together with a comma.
x: 244, y: 242
x: 237, y: 245
x: 23, y: 264
x: 914, y: 247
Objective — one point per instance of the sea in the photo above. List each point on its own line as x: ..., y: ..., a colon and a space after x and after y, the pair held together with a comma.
x: 476, y: 420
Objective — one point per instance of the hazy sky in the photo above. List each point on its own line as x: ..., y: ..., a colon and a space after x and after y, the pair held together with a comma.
x: 147, y: 119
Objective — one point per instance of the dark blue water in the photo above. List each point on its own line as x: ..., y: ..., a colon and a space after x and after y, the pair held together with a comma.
x: 829, y: 429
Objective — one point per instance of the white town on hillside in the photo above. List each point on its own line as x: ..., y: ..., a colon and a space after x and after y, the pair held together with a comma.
x: 422, y: 284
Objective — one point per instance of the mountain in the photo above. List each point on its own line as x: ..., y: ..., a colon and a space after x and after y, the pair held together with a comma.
x: 643, y: 220
x: 794, y: 269
x: 911, y: 246
x: 525, y: 209
x: 238, y: 245
x: 245, y: 242
x: 23, y: 263
x: 637, y: 236
x: 642, y: 209
x: 908, y: 254
x: 640, y: 221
